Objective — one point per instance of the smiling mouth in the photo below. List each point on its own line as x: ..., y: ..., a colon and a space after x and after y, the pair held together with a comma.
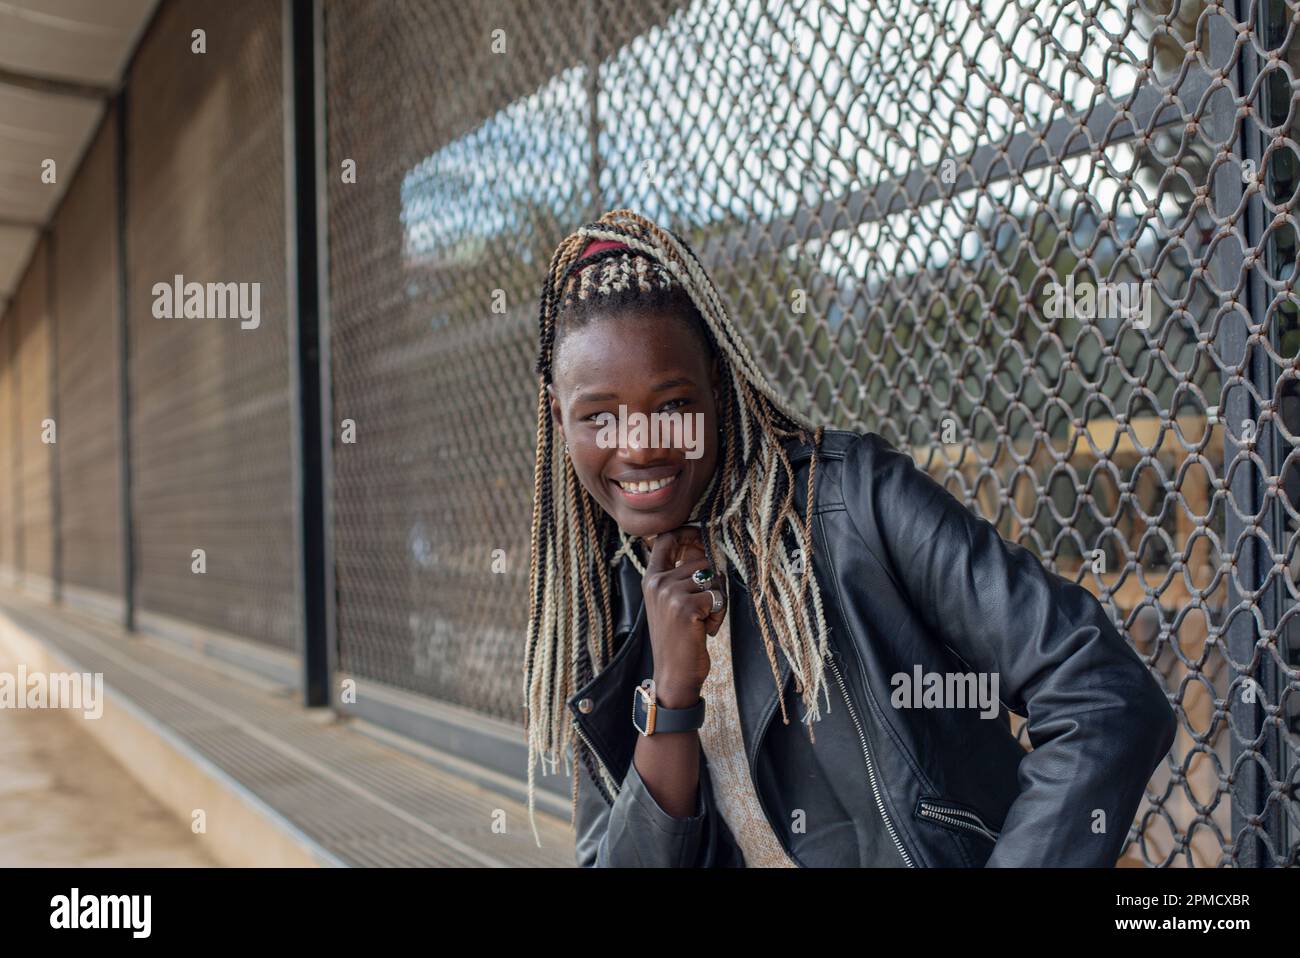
x: 647, y: 492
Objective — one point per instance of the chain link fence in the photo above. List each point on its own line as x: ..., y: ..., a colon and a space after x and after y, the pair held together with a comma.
x: 456, y: 196
x: 905, y: 206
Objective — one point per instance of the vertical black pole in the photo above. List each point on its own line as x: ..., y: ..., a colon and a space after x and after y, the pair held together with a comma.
x: 56, y: 498
x: 325, y: 365
x: 1270, y: 30
x: 16, y: 426
x: 1251, y: 542
x: 593, y: 55
x: 125, y: 508
x: 301, y: 19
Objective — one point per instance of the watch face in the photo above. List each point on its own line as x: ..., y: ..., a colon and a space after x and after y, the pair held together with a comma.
x: 643, y: 704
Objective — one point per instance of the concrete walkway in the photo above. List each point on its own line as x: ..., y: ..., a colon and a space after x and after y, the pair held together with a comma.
x: 64, y: 801
x: 272, y: 783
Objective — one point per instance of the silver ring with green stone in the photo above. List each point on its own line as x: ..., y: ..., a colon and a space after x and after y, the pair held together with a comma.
x: 702, y: 578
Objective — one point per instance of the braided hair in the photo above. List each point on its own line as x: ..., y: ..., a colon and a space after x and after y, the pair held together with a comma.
x: 747, y: 511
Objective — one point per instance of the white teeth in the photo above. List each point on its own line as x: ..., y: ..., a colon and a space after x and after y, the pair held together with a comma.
x: 650, y: 486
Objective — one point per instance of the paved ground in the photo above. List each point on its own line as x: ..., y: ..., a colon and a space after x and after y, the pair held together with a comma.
x: 65, y: 802
x: 362, y: 800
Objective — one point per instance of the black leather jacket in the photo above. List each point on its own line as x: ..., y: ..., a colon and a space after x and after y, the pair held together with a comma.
x: 908, y: 577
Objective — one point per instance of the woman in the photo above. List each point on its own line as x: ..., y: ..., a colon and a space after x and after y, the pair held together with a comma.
x: 679, y: 587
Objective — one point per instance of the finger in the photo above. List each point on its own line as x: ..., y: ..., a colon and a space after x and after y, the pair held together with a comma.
x: 687, y: 568
x: 714, y: 621
x: 690, y: 552
x: 688, y: 540
x: 662, y: 553
x: 701, y: 606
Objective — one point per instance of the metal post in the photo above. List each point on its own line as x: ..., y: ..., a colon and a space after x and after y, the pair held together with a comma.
x: 1243, y: 413
x: 593, y: 55
x: 56, y: 499
x: 325, y: 364
x: 1270, y: 30
x: 124, y: 364
x: 16, y: 448
x: 302, y: 20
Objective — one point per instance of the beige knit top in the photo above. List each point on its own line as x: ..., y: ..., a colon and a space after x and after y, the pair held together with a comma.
x: 724, y: 751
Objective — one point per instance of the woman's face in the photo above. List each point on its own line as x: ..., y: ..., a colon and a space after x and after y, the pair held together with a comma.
x: 651, y: 366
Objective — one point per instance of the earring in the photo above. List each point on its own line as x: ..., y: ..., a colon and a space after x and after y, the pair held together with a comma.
x: 566, y: 448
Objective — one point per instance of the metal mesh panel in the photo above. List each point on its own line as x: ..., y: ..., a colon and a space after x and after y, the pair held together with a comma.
x: 210, y: 433
x: 446, y: 209
x: 89, y: 372
x: 894, y: 199
x: 32, y: 355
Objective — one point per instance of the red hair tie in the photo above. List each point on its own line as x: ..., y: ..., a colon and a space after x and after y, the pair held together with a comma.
x: 595, y: 246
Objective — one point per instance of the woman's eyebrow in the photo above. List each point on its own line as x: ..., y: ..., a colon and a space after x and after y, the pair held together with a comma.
x: 660, y: 387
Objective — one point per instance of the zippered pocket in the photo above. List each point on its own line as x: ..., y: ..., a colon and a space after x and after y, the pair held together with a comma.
x: 947, y: 814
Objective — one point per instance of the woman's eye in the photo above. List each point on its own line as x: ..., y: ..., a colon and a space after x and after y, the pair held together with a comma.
x: 601, y: 417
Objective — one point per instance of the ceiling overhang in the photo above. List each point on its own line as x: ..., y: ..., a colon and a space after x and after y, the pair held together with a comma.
x: 60, y: 62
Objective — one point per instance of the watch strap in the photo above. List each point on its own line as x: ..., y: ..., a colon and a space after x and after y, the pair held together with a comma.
x: 664, y: 719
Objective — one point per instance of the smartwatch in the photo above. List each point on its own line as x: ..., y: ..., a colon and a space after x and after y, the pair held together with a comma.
x: 650, y: 718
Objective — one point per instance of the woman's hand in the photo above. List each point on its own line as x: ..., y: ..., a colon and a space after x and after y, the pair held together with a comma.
x: 678, y: 616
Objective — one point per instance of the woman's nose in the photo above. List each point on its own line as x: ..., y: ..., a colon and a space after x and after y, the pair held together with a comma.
x: 641, y: 446
x: 633, y: 451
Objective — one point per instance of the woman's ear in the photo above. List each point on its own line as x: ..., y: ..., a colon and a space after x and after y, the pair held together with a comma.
x: 556, y: 418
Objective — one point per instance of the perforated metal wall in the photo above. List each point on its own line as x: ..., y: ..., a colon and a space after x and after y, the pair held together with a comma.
x: 210, y: 441
x: 89, y: 372
x: 35, y: 409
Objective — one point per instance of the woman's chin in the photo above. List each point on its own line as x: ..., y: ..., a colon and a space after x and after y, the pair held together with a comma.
x: 648, y: 526
x: 646, y: 530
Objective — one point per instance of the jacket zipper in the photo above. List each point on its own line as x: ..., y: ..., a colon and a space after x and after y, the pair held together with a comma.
x: 596, y: 755
x: 871, y: 768
x: 958, y: 817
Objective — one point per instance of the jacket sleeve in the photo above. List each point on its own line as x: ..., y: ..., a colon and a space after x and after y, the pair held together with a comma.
x: 635, y: 832
x: 1098, y: 720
